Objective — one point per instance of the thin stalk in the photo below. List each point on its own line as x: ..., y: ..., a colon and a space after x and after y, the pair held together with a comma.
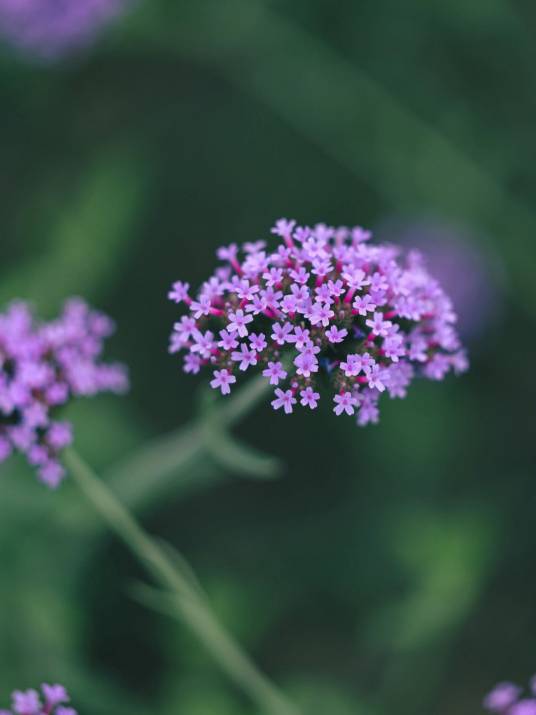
x: 191, y: 606
x: 150, y: 472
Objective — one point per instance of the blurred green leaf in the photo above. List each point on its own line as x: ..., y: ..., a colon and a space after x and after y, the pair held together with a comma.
x: 92, y: 231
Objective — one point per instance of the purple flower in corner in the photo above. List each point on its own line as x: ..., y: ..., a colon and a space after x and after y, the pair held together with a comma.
x: 50, y: 29
x: 51, y: 701
x: 323, y: 304
x: 42, y: 367
x: 505, y: 699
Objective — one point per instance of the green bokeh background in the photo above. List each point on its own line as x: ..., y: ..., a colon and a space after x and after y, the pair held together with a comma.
x: 389, y: 569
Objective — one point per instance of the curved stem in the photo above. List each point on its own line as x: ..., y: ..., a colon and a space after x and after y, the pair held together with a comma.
x: 180, y: 590
x: 147, y: 473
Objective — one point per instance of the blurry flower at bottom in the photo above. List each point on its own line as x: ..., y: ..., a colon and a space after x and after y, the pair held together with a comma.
x: 48, y: 29
x: 505, y: 699
x: 466, y: 270
x: 51, y: 701
x: 42, y: 367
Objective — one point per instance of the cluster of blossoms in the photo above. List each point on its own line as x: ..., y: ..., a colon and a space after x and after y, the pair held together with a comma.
x: 42, y: 366
x: 30, y: 702
x: 324, y: 301
x: 51, y: 28
x: 506, y: 699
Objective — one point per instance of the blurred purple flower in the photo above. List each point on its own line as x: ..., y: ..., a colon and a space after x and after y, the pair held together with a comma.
x: 466, y: 270
x: 48, y: 29
x: 43, y: 365
x: 504, y: 699
x: 30, y: 702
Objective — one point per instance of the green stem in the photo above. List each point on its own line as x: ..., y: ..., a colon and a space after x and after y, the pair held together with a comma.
x: 147, y: 474
x: 190, y: 605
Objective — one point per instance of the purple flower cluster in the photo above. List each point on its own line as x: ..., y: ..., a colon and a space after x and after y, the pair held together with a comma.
x: 41, y: 367
x: 505, y: 699
x: 51, y: 28
x: 323, y: 301
x: 51, y: 701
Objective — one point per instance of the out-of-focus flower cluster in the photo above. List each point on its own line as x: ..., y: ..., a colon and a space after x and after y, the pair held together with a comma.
x: 506, y: 699
x: 51, y: 701
x: 463, y: 263
x: 326, y: 301
x: 48, y: 29
x: 42, y: 366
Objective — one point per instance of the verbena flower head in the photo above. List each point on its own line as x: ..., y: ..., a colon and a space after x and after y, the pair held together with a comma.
x: 48, y: 29
x: 506, y: 699
x: 42, y: 366
x: 52, y: 700
x: 322, y: 302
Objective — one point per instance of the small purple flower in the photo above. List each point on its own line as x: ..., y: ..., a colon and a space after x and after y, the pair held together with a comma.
x: 320, y: 314
x: 29, y: 702
x: 309, y: 398
x: 353, y: 365
x: 228, y: 340
x: 281, y: 333
x: 186, y: 327
x: 336, y: 335
x: 42, y: 367
x: 375, y: 378
x: 257, y: 342
x: 238, y: 322
x: 306, y: 363
x: 223, y: 379
x: 26, y: 703
x: 378, y: 325
x: 285, y: 399
x: 364, y: 304
x: 192, y: 363
x: 284, y: 228
x: 502, y: 697
x: 179, y: 292
x: 275, y: 372
x: 204, y: 344
x: 54, y: 694
x: 344, y: 403
x: 245, y: 356
x: 301, y: 337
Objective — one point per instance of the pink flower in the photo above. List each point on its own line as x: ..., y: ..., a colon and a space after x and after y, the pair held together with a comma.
x: 238, y: 322
x: 223, y: 379
x: 245, y: 357
x: 309, y: 398
x: 275, y: 372
x: 344, y: 403
x: 336, y: 335
x: 281, y: 333
x: 285, y: 399
x: 179, y: 292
